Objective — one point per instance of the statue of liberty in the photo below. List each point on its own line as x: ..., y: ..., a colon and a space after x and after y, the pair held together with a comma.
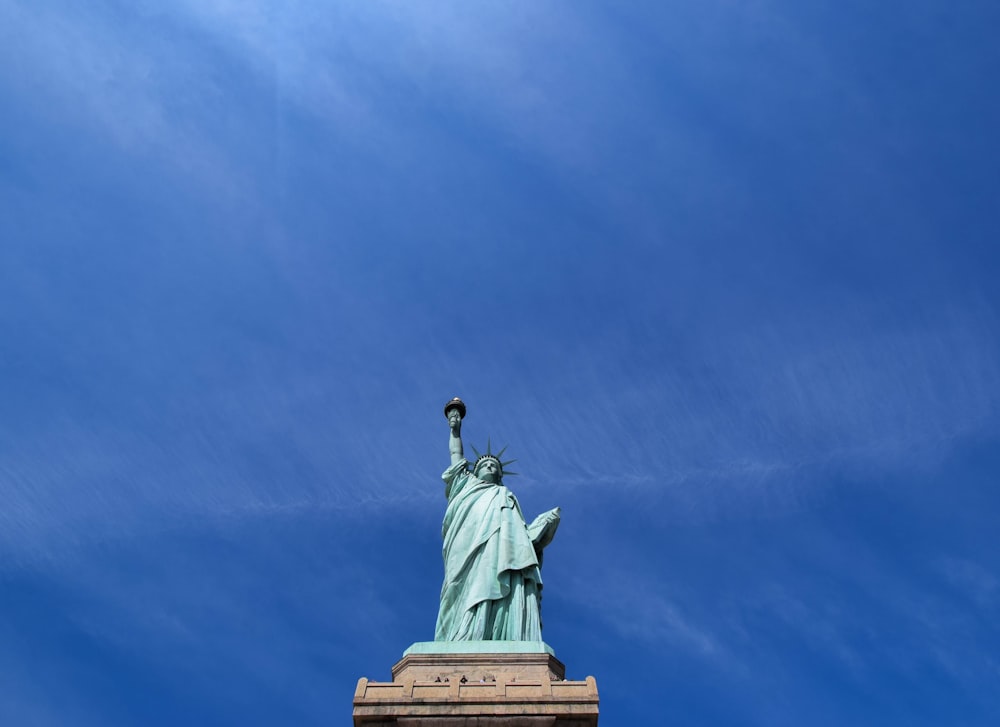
x: 492, y: 558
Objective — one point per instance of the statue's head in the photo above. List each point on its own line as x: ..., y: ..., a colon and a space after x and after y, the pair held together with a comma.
x: 489, y: 469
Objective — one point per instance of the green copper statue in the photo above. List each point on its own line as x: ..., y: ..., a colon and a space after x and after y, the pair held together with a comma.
x: 492, y: 559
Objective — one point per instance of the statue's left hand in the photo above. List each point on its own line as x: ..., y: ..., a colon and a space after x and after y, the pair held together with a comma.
x: 543, y: 528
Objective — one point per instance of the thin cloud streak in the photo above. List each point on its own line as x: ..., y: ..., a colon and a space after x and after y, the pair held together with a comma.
x: 752, y: 436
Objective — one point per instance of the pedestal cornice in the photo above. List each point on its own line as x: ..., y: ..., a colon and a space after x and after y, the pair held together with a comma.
x: 513, y: 688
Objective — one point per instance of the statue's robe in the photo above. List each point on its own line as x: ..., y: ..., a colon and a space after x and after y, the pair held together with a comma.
x: 492, y: 581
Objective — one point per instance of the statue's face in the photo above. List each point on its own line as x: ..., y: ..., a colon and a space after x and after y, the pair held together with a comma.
x: 488, y: 471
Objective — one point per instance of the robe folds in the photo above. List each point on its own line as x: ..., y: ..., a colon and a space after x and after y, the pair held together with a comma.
x: 492, y: 581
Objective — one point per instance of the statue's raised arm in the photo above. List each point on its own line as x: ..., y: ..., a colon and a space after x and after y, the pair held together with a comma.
x: 455, y: 411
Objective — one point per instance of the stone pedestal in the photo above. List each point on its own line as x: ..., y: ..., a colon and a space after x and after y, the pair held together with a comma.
x: 477, y: 684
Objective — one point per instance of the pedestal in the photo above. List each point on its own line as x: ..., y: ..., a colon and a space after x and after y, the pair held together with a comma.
x: 477, y: 684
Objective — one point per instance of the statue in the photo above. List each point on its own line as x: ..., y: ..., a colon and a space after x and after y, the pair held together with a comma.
x: 492, y: 558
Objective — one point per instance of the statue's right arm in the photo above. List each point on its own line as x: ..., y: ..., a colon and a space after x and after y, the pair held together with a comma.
x: 455, y: 443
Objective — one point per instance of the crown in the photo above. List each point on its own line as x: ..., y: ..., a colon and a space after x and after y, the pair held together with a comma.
x: 495, y: 457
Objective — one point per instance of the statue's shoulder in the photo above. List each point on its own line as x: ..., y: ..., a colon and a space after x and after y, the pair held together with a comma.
x: 456, y: 470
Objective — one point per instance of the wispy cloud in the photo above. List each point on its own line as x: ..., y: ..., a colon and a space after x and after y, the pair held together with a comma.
x: 973, y: 580
x: 635, y: 605
x: 758, y: 418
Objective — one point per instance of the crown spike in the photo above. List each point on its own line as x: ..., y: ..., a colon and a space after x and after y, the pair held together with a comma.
x: 474, y: 449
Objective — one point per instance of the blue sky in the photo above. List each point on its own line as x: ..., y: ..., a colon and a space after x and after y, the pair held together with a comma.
x: 722, y: 274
